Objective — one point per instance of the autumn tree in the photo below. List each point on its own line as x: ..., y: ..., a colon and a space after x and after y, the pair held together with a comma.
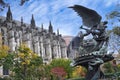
x: 26, y: 64
x: 78, y: 72
x: 59, y: 72
x: 23, y: 63
x: 62, y: 64
x: 3, y: 49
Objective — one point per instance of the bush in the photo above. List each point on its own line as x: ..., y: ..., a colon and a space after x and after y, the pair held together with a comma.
x: 76, y: 79
x: 1, y: 78
x: 6, y: 78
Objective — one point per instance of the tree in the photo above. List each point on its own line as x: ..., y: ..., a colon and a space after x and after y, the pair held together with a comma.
x: 3, y: 51
x: 114, y: 39
x: 114, y: 18
x: 115, y: 30
x: 114, y: 15
x: 26, y: 64
x: 8, y: 61
x: 23, y: 63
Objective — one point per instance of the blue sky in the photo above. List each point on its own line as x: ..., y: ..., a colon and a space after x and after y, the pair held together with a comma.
x: 57, y: 11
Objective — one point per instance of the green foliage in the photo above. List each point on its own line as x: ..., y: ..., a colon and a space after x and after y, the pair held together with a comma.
x: 108, y: 32
x: 77, y: 79
x: 27, y: 64
x: 113, y: 14
x: 115, y: 30
x: 6, y: 78
x: 47, y: 72
x: 3, y: 51
x: 108, y: 68
x: 36, y: 61
x: 114, y: 18
x: 8, y: 61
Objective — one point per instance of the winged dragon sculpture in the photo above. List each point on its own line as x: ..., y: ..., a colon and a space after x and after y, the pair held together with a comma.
x: 90, y: 53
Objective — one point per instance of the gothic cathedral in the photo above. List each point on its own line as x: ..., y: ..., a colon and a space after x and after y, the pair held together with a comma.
x: 45, y: 43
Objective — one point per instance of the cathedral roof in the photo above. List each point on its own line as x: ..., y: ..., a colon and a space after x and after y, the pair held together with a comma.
x: 16, y: 25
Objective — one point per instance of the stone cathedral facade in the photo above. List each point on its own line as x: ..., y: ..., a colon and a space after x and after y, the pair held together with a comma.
x: 45, y: 43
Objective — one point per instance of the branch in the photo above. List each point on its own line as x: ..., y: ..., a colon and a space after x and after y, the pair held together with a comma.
x: 22, y: 2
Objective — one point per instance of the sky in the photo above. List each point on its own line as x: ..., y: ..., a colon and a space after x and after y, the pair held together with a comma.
x: 57, y: 11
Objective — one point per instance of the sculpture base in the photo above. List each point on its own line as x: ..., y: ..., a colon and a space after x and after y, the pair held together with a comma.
x: 92, y: 64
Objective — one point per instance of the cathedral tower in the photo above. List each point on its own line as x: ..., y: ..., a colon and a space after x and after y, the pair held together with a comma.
x: 9, y: 15
x: 50, y: 28
x: 32, y: 22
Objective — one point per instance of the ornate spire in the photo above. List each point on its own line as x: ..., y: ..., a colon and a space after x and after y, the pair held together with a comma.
x: 21, y: 20
x: 50, y: 28
x: 58, y: 32
x: 42, y: 27
x: 9, y: 15
x: 32, y: 22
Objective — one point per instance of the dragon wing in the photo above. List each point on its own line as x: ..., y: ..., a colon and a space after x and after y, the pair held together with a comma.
x: 90, y: 17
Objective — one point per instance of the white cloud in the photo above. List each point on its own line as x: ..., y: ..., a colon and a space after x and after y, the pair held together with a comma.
x: 56, y: 10
x: 111, y: 2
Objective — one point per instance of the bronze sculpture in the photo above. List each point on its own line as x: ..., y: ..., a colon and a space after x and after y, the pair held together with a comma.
x: 90, y: 53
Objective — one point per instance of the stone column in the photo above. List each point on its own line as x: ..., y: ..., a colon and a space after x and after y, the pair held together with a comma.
x: 48, y: 50
x: 42, y: 49
x: 64, y: 52
x: 37, y: 47
x: 56, y: 51
x: 29, y: 40
x: 12, y: 42
x: 59, y: 50
x: 20, y: 37
x: 17, y: 43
